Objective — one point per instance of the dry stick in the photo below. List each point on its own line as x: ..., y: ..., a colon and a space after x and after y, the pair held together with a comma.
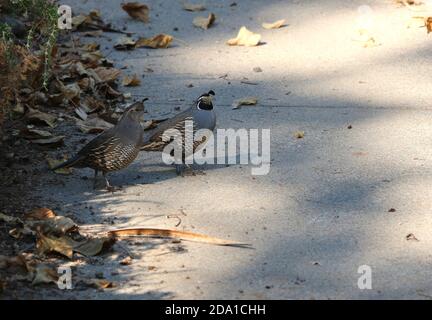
x: 181, y: 41
x: 175, y: 216
x: 176, y: 234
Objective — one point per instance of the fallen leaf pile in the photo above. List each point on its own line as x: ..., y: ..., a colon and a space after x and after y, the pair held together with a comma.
x: 53, y: 234
x: 59, y: 236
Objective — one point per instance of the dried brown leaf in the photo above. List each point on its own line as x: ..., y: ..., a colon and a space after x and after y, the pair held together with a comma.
x: 125, y: 43
x: 131, y: 81
x: 157, y: 42
x: 35, y: 134
x: 428, y: 24
x: 136, y: 10
x: 44, y: 274
x: 81, y: 113
x: 52, y: 142
x: 299, y: 134
x: 126, y: 261
x: 55, y: 225
x: 94, y: 125
x: 97, y: 283
x: 193, y: 7
x: 9, y: 219
x: 38, y: 117
x: 62, y: 245
x: 40, y: 214
x: 248, y: 101
x: 274, y: 25
x: 245, y: 38
x: 107, y: 74
x: 204, y: 22
x: 93, y: 246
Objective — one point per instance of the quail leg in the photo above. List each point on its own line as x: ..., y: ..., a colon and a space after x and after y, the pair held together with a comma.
x: 180, y: 168
x: 108, y: 186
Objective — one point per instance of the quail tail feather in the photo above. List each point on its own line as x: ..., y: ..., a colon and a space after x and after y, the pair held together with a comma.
x: 69, y: 163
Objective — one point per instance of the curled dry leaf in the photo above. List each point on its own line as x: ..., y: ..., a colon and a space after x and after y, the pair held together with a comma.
x: 80, y: 111
x: 299, y: 134
x: 93, y: 246
x: 66, y: 246
x: 40, y: 214
x: 204, y: 22
x: 44, y: 274
x: 428, y: 24
x: 274, y: 25
x: 248, y: 101
x: 172, y: 234
x: 91, y: 22
x: 136, y: 10
x: 245, y: 38
x: 38, y: 117
x: 62, y: 245
x: 125, y: 43
x: 31, y: 134
x: 96, y: 283
x: 126, y: 261
x: 157, y: 42
x: 54, y: 225
x: 131, y: 81
x: 9, y: 219
x: 52, y: 142
x: 193, y: 7
x: 94, y: 125
x: 107, y: 74
x: 52, y: 163
x: 92, y: 58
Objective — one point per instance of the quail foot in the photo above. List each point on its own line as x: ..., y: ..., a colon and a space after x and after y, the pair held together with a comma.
x: 199, y: 116
x: 113, y: 149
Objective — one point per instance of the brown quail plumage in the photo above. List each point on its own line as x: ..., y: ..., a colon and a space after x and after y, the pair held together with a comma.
x: 113, y: 149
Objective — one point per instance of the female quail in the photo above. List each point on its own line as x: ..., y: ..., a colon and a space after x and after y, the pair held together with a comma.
x: 201, y: 115
x: 113, y: 149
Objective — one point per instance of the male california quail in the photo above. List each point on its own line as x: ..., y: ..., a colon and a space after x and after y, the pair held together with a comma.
x: 201, y: 115
x: 113, y: 149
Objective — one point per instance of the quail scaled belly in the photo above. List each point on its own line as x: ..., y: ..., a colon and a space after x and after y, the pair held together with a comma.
x: 113, y: 149
x: 201, y: 115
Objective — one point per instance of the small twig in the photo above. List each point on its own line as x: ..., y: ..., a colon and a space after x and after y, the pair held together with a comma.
x: 181, y: 41
x: 175, y: 216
